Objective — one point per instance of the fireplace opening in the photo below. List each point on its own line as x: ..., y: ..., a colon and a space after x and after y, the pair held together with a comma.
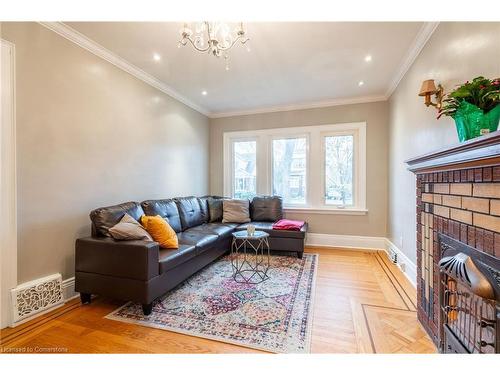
x: 469, y: 299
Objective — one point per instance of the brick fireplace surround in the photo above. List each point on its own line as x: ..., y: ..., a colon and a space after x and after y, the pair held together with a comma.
x: 458, y: 194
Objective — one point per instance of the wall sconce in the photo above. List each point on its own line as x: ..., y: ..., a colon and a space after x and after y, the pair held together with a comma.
x: 429, y: 88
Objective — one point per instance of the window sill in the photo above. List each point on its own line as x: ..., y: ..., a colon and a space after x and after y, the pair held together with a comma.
x: 327, y: 211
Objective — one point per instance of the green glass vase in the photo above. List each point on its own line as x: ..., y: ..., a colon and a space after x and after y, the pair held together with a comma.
x: 471, y: 121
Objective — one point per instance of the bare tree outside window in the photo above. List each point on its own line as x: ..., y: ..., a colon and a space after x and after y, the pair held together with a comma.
x: 245, y: 170
x: 289, y: 169
x: 339, y: 152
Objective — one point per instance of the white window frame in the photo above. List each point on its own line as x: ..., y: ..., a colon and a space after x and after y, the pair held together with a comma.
x: 315, y: 164
x: 231, y: 153
x: 271, y: 156
x: 355, y: 176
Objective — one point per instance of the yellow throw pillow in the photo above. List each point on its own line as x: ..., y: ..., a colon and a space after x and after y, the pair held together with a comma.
x: 161, y: 231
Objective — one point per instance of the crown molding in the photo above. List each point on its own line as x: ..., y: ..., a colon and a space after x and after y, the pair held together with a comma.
x: 299, y: 106
x: 418, y: 44
x: 105, y: 54
x: 81, y: 40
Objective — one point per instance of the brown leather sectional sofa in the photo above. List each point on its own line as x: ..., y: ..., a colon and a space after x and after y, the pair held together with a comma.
x: 141, y: 271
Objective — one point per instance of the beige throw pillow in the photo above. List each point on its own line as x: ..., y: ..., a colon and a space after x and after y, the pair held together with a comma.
x: 129, y: 229
x: 235, y: 211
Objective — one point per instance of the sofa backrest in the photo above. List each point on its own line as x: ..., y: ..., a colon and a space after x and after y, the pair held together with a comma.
x: 104, y: 218
x: 266, y: 208
x: 191, y: 212
x: 167, y: 209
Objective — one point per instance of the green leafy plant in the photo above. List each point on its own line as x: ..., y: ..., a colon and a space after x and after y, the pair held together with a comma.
x: 481, y: 92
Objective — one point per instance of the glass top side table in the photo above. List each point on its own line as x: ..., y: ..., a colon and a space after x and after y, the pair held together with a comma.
x: 250, y: 257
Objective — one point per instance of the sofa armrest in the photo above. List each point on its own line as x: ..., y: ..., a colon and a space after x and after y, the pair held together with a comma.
x: 305, y: 227
x: 137, y: 260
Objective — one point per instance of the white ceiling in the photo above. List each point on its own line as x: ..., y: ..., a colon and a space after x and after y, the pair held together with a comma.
x: 289, y: 64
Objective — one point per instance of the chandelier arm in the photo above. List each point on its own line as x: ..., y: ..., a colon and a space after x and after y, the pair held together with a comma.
x: 195, y: 46
x: 234, y: 42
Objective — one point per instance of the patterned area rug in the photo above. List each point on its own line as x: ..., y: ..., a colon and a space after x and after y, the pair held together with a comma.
x: 275, y: 315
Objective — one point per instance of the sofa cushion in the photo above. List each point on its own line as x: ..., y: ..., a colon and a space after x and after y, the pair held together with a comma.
x: 129, y: 229
x: 266, y: 208
x: 190, y: 212
x: 204, y: 208
x: 215, y: 209
x: 167, y: 209
x: 267, y: 227
x: 161, y: 231
x: 104, y: 218
x: 170, y: 258
x: 236, y: 211
x: 219, y: 229
x: 202, y: 241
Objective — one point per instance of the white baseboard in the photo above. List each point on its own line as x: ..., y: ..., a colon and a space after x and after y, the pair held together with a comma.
x: 365, y: 243
x: 344, y: 241
x: 404, y: 263
x: 68, y: 289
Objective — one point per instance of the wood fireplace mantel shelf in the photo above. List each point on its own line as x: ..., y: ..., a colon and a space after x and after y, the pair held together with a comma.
x: 482, y: 151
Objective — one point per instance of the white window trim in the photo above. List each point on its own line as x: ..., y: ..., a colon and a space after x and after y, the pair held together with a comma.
x: 230, y: 180
x: 314, y: 190
x: 271, y: 156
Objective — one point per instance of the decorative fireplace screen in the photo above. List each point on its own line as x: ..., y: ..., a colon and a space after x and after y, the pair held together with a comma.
x: 469, y: 299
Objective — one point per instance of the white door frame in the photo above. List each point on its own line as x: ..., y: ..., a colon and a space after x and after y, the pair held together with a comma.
x: 8, y: 200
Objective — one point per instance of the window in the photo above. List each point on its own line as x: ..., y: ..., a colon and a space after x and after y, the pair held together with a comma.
x: 339, y: 154
x: 314, y: 168
x: 289, y: 169
x: 244, y: 169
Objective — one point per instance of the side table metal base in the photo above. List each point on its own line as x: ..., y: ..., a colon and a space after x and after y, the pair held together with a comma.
x: 250, y: 259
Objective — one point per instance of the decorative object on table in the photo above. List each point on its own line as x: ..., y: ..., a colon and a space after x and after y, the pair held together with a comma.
x: 275, y: 316
x: 250, y: 257
x: 286, y: 224
x: 475, y: 107
x: 250, y: 229
x: 428, y: 89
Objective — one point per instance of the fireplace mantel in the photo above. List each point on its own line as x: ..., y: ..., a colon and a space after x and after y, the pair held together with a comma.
x: 482, y: 151
x: 458, y: 196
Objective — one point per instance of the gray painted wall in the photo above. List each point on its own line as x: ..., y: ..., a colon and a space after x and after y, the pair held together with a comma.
x: 376, y: 117
x: 456, y: 52
x: 88, y: 135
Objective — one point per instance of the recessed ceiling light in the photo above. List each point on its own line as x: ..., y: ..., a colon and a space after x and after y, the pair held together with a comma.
x: 156, y: 57
x: 204, y: 93
x: 361, y: 83
x: 368, y: 58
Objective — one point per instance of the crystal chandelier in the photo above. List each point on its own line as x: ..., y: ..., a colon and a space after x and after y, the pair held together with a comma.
x: 216, y: 38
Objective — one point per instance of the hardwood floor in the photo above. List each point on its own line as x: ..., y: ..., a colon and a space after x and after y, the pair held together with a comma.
x: 363, y: 304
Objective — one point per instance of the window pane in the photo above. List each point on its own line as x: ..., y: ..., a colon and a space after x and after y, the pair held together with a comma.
x: 245, y: 171
x: 338, y: 170
x: 289, y: 169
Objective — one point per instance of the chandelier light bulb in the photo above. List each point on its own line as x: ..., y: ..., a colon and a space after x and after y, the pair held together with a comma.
x: 368, y: 58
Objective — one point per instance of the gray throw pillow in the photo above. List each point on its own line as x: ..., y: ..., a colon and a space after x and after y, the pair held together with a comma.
x: 129, y: 229
x: 266, y: 208
x: 215, y: 209
x: 236, y: 211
